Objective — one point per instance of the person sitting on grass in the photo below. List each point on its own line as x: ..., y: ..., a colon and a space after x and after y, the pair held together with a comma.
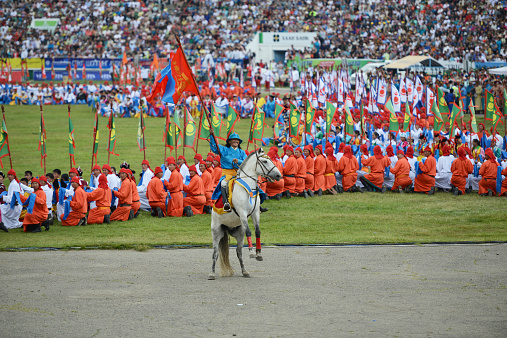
x: 156, y: 194
x: 39, y: 214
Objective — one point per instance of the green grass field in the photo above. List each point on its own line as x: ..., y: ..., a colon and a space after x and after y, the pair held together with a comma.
x: 342, y: 219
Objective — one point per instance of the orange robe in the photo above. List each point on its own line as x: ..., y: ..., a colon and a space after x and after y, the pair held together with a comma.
x: 423, y: 182
x: 377, y: 169
x: 122, y: 212
x: 330, y: 178
x: 195, y: 195
x: 217, y: 174
x: 290, y: 170
x: 103, y: 202
x: 300, y: 175
x: 401, y: 173
x: 319, y: 170
x: 156, y: 194
x: 136, y: 200
x: 40, y: 209
x: 276, y: 187
x: 488, y: 171
x: 310, y: 170
x: 348, y: 167
x: 207, y: 181
x: 460, y: 171
x: 175, y: 187
x: 79, y: 207
x: 504, y: 183
x: 262, y: 183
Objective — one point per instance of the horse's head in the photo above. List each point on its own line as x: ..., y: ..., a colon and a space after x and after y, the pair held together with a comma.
x: 265, y: 167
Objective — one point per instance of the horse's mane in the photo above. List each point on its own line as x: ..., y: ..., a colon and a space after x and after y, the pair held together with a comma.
x: 247, y: 158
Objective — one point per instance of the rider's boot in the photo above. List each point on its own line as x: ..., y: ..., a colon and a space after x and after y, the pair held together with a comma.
x: 225, y: 199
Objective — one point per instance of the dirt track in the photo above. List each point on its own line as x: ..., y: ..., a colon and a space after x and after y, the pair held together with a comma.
x: 445, y: 290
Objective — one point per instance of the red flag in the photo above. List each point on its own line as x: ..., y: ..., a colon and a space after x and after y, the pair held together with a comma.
x: 173, y: 80
x: 52, y: 68
x: 124, y: 60
x: 43, y: 69
x: 100, y: 69
x: 75, y: 70
x: 84, y: 71
x: 69, y: 69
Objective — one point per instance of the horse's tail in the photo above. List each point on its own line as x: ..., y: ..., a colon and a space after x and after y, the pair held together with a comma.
x: 223, y: 255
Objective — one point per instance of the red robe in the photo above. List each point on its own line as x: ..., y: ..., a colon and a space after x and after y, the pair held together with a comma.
x: 423, y: 182
x: 401, y: 173
x: 348, y: 167
x: 276, y: 187
x: 79, y: 207
x: 103, y: 202
x: 40, y: 209
x: 310, y: 170
x: 217, y: 174
x: 156, y: 194
x: 300, y: 175
x: 504, y: 183
x: 136, y: 204
x: 195, y: 195
x: 488, y: 171
x: 330, y: 178
x: 290, y: 170
x: 122, y: 212
x: 460, y: 170
x: 207, y: 181
x: 175, y: 187
x: 319, y: 170
x: 377, y: 169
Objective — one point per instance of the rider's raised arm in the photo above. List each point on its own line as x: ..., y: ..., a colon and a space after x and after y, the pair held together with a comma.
x: 214, y: 147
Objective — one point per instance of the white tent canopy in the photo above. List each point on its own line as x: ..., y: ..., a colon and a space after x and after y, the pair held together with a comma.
x: 498, y: 71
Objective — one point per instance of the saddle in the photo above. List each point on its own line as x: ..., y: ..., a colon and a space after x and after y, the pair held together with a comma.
x: 218, y: 206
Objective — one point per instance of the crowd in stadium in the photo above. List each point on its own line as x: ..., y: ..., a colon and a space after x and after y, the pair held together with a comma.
x: 448, y: 30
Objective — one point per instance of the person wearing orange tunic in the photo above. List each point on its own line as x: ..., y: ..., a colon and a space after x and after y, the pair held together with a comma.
x: 319, y: 171
x: 425, y: 182
x: 195, y: 193
x: 78, y: 204
x: 301, y: 173
x: 124, y: 210
x: 504, y: 183
x: 377, y: 164
x: 207, y: 180
x: 488, y: 171
x: 102, y: 198
x: 310, y: 170
x: 401, y: 172
x: 32, y: 222
x: 156, y: 194
x: 460, y: 169
x: 136, y: 199
x: 331, y: 166
x: 275, y: 189
x: 217, y: 171
x: 290, y: 170
x: 175, y: 188
x: 347, y: 167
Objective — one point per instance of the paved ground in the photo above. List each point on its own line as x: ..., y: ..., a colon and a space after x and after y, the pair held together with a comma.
x: 445, y: 290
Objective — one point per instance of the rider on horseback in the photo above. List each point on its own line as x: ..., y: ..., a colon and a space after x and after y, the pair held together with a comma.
x: 231, y: 157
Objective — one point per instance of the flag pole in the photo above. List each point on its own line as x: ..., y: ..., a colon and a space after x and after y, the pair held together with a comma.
x: 70, y: 157
x: 43, y: 136
x: 200, y: 98
x: 8, y: 147
x: 184, y: 126
x: 94, y: 135
x: 199, y: 132
x: 175, y: 138
x: 165, y: 131
x: 109, y: 139
x: 251, y: 126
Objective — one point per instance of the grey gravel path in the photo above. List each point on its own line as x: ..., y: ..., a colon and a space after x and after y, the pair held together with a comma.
x: 384, y: 291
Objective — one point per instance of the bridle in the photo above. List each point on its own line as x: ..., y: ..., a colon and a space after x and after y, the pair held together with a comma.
x: 265, y: 170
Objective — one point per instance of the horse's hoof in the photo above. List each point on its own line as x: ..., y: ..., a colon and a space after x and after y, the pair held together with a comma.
x: 259, y: 258
x: 211, y: 276
x: 246, y: 274
x: 252, y: 255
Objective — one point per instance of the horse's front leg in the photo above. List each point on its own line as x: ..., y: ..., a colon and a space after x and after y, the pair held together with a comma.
x: 248, y: 234
x: 240, y: 237
x: 255, y: 219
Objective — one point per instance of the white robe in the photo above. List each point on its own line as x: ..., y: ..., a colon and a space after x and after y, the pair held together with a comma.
x: 142, y: 187
x: 444, y: 174
x: 10, y: 217
x: 389, y: 180
x: 411, y: 174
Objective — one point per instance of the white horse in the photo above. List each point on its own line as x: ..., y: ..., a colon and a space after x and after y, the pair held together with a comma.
x: 235, y: 223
